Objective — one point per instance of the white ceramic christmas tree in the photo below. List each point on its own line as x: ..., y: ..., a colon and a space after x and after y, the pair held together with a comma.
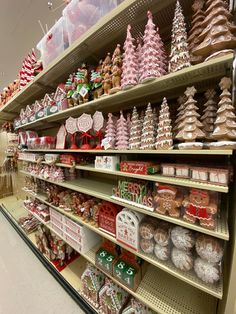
x: 129, y: 76
x: 122, y: 135
x: 225, y: 123
x: 152, y: 65
x: 209, y: 116
x: 190, y: 129
x: 148, y: 130
x: 179, y: 56
x: 135, y: 131
x: 110, y: 133
x: 164, y: 138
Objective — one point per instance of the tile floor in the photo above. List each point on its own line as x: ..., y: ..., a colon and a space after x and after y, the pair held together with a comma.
x: 26, y: 287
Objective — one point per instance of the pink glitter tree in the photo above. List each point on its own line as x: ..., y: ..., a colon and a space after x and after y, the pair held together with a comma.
x: 110, y: 133
x: 122, y: 135
x: 152, y: 64
x: 129, y: 76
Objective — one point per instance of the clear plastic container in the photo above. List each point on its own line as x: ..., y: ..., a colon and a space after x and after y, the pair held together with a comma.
x: 54, y: 42
x: 80, y: 15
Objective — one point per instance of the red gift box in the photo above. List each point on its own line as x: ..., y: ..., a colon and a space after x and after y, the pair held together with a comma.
x: 137, y: 167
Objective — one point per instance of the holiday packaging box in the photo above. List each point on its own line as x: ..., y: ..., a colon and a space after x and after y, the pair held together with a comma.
x: 139, y: 167
x: 135, y: 192
x: 53, y: 43
x: 107, y: 162
x: 105, y: 260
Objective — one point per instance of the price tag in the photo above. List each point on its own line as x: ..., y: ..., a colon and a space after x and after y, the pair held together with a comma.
x: 83, y: 92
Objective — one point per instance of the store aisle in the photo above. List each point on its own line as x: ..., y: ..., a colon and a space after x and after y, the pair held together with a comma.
x: 26, y: 287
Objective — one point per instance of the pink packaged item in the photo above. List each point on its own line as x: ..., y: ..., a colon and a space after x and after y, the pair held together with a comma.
x: 53, y: 43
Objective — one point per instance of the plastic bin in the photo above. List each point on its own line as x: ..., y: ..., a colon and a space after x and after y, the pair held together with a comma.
x: 80, y: 15
x: 54, y: 42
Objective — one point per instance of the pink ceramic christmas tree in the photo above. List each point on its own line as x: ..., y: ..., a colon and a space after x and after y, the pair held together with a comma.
x: 148, y: 130
x: 128, y: 119
x: 110, y: 133
x: 135, y: 131
x: 139, y: 54
x: 122, y: 136
x: 152, y: 65
x: 164, y: 138
x: 129, y: 76
x: 179, y: 56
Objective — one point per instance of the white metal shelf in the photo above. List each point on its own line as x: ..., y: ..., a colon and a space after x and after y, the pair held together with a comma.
x: 103, y: 191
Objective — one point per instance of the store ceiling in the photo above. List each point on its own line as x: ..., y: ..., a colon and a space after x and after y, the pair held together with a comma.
x: 20, y: 31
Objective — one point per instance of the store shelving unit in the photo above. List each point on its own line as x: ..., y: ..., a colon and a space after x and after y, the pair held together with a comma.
x: 164, y: 289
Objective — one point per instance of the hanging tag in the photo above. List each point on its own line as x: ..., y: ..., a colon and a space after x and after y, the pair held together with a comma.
x: 83, y: 92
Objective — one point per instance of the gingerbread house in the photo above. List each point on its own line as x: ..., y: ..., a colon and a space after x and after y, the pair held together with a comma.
x: 30, y: 114
x: 23, y: 117
x: 92, y: 281
x: 39, y: 109
x: 49, y: 104
x: 60, y: 98
x: 112, y: 298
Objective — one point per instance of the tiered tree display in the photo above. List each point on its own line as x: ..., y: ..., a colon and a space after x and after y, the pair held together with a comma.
x: 190, y: 128
x: 180, y: 115
x: 129, y: 76
x: 122, y: 136
x: 217, y: 37
x: 135, y: 131
x: 128, y: 119
x: 151, y: 65
x: 148, y: 130
x: 179, y: 55
x: 110, y: 133
x: 209, y: 115
x: 139, y: 54
x: 225, y: 123
x: 196, y: 29
x: 164, y: 138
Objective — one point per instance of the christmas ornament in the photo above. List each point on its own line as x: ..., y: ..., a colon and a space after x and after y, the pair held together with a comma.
x: 217, y: 37
x: 179, y: 56
x: 225, y: 123
x: 110, y: 133
x: 196, y: 29
x: 190, y: 127
x: 164, y: 135
x: 135, y: 131
x: 209, y: 116
x: 122, y: 138
x: 148, y: 130
x: 129, y: 76
x: 152, y: 64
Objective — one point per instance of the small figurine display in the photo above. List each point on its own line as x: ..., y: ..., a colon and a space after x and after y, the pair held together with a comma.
x: 116, y: 70
x: 70, y: 90
x: 107, y: 162
x: 179, y: 56
x: 96, y: 79
x: 168, y: 200
x: 201, y: 205
x: 106, y: 73
x: 83, y: 86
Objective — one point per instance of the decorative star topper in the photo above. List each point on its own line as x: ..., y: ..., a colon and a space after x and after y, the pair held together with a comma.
x: 190, y: 91
x: 210, y: 94
x: 225, y: 83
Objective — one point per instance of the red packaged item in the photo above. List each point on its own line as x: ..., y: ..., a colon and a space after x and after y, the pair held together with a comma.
x: 67, y: 159
x: 33, y: 143
x: 138, y: 167
x: 47, y: 142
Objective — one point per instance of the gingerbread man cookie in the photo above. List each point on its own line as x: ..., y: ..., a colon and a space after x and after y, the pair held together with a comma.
x: 167, y: 200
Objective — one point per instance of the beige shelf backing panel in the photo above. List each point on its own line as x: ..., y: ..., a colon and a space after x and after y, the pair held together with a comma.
x: 206, y: 70
x: 103, y: 191
x: 224, y: 152
x: 152, y: 177
x: 188, y: 277
x: 96, y: 42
